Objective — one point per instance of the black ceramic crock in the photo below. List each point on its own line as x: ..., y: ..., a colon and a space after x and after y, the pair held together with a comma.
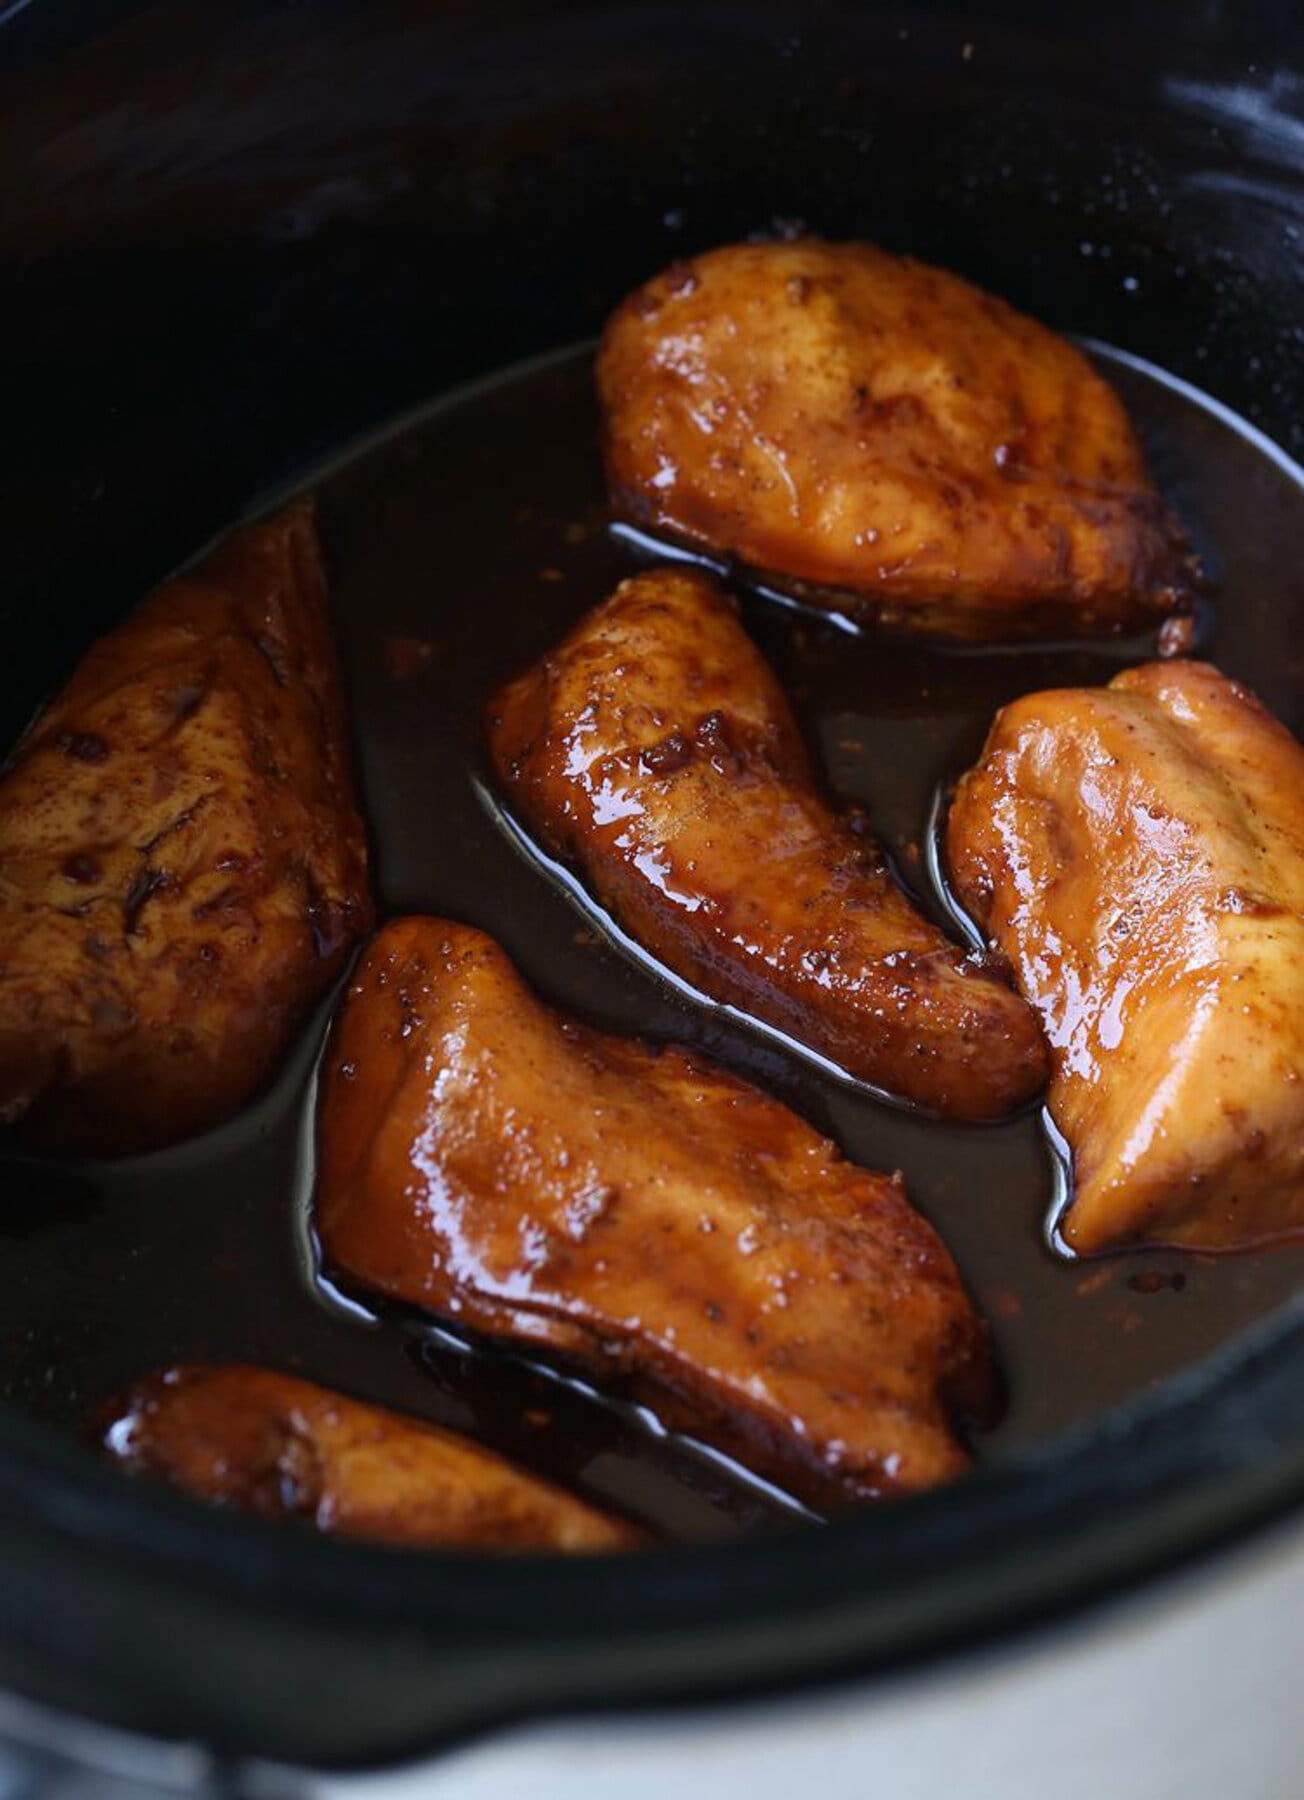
x: 233, y: 236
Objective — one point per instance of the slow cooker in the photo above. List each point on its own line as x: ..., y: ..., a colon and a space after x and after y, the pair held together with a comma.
x: 235, y: 236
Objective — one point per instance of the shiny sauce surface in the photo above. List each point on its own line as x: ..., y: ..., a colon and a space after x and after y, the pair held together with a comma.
x: 461, y: 544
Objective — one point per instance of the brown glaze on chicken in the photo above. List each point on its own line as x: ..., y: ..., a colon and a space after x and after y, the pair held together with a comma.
x: 271, y: 1444
x: 182, y: 866
x: 1138, y: 853
x: 910, y: 450
x: 654, y: 747
x: 643, y: 1214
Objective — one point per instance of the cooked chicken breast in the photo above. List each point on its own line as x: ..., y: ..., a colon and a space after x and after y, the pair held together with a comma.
x: 902, y: 446
x: 182, y: 866
x: 654, y: 747
x: 642, y: 1213
x: 284, y: 1448
x: 1138, y: 853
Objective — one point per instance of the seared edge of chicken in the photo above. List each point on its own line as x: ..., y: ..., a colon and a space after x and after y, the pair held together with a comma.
x: 280, y: 1447
x: 886, y: 439
x: 1137, y: 851
x: 642, y: 1214
x: 183, y: 870
x: 654, y: 748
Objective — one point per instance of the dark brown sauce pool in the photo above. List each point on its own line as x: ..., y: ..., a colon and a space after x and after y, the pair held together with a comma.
x: 462, y: 543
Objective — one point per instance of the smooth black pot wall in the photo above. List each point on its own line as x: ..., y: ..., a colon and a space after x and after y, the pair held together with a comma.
x: 234, y: 236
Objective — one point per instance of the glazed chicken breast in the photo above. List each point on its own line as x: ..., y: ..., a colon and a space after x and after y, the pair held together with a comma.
x: 183, y: 871
x: 655, y: 749
x: 641, y: 1213
x: 883, y: 439
x: 1137, y: 851
x: 271, y: 1444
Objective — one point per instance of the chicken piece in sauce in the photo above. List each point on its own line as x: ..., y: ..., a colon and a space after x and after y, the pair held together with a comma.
x: 642, y: 1214
x: 1137, y: 851
x: 655, y: 748
x: 884, y: 439
x: 283, y: 1448
x: 183, y: 870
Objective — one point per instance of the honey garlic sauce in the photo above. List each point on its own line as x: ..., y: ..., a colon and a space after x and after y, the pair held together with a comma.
x: 460, y: 547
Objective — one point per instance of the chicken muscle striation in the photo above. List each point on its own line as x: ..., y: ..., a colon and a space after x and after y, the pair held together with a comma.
x: 904, y: 447
x: 1138, y: 853
x: 182, y: 867
x: 656, y: 749
x: 642, y: 1213
x: 271, y: 1444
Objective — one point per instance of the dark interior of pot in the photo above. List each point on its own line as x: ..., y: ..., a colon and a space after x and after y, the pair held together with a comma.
x: 238, y: 244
